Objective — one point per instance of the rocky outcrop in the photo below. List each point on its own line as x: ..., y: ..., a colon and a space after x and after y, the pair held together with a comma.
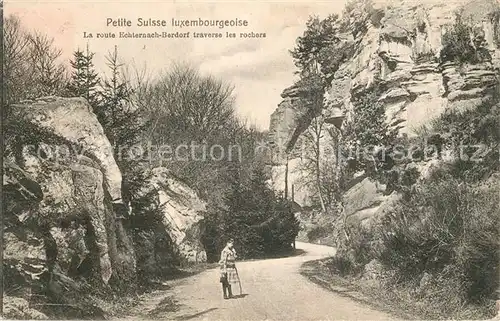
x: 363, y: 200
x: 403, y: 56
x: 72, y: 120
x: 284, y: 123
x: 399, y: 53
x: 64, y: 149
x: 65, y: 219
x: 182, y: 214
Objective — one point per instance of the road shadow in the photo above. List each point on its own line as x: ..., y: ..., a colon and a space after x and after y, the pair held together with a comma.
x: 192, y: 316
x: 167, y: 305
x: 293, y: 253
x: 239, y: 296
x: 183, y: 272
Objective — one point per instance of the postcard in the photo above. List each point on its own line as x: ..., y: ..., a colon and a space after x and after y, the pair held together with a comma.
x: 250, y: 160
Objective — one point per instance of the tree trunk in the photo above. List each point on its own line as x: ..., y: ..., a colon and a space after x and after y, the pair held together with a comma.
x: 286, y: 178
x: 318, y: 183
x: 318, y: 173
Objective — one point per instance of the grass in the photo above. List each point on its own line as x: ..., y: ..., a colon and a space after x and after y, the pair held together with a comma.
x: 395, y: 300
x: 320, y: 272
x: 122, y: 305
x: 437, y: 258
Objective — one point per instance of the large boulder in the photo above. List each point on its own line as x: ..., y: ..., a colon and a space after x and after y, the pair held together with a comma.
x: 72, y: 120
x: 362, y: 201
x: 62, y: 147
x: 182, y: 214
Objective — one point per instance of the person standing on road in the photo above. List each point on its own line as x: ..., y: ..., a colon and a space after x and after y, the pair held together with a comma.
x: 229, y: 274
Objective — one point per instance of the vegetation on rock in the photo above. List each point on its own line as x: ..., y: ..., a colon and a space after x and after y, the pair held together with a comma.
x: 434, y: 230
x: 463, y: 43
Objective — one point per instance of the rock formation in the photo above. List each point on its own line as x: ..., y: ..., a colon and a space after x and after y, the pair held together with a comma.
x: 77, y: 174
x: 401, y: 51
x: 182, y: 214
x: 64, y: 211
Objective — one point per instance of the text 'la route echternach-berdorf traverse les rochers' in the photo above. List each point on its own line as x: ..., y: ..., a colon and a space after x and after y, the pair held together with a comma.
x: 174, y: 23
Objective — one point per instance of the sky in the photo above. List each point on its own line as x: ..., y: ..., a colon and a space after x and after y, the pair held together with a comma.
x: 258, y: 68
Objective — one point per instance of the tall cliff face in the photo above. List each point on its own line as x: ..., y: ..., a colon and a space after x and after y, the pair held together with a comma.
x: 64, y: 215
x: 403, y: 53
x: 400, y: 49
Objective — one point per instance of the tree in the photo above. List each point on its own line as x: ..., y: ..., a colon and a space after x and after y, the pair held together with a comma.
x: 123, y: 124
x: 31, y: 69
x: 261, y: 222
x: 15, y: 43
x: 367, y: 136
x: 357, y: 14
x: 47, y: 76
x: 312, y: 57
x: 188, y: 106
x: 84, y: 79
x: 319, y: 34
x: 312, y: 158
x: 463, y: 44
x: 31, y: 66
x: 311, y: 96
x: 121, y: 120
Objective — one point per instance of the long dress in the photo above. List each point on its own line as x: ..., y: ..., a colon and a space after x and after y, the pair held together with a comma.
x: 227, y: 260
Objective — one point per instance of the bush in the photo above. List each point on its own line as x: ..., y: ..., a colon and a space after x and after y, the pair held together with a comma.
x: 462, y: 44
x: 365, y: 131
x: 341, y: 266
x: 450, y: 231
x: 478, y: 130
x: 362, y: 248
x: 317, y: 232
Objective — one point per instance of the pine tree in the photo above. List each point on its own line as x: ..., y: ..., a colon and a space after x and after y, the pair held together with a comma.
x: 84, y: 79
x: 260, y: 222
x: 120, y: 120
x: 319, y: 34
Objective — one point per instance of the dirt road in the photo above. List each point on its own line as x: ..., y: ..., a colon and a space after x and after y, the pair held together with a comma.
x: 272, y: 290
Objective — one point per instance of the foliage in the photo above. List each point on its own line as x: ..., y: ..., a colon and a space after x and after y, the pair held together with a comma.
x: 318, y: 54
x: 357, y: 14
x: 463, y: 43
x: 448, y: 230
x: 319, y: 34
x: 474, y: 138
x: 154, y: 247
x: 31, y: 64
x: 188, y: 106
x: 321, y: 48
x: 84, y: 79
x: 317, y: 166
x: 367, y: 135
x: 311, y: 90
x: 120, y: 119
x: 260, y: 222
x: 439, y: 241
